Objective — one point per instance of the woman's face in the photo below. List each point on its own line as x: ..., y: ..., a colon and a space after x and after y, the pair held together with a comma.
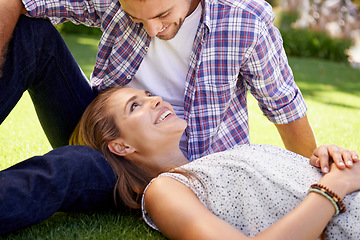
x: 146, y: 122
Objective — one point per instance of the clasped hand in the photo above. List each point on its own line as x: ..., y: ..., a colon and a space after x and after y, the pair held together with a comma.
x: 324, y: 155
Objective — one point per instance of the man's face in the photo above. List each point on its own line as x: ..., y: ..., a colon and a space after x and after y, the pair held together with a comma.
x: 160, y: 18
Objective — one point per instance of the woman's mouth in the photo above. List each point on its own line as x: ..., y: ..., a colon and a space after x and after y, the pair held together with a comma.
x: 163, y: 116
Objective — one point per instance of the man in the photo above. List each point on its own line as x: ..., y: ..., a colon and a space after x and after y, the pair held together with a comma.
x: 200, y: 56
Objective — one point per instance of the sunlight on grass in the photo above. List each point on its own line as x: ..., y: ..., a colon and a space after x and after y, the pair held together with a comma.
x: 21, y: 135
x: 262, y: 131
x: 335, y: 123
x: 90, y: 42
x: 84, y: 49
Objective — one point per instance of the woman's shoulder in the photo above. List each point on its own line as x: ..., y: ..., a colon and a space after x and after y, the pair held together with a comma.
x: 164, y: 185
x: 161, y: 184
x: 163, y: 195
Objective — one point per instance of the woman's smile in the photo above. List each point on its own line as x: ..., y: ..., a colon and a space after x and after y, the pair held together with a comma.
x: 162, y: 115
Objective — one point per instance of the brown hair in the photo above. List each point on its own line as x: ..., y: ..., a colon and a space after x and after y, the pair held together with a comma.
x: 96, y: 129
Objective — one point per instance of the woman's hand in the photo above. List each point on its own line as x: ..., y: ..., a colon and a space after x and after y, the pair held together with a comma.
x: 323, y: 155
x: 343, y: 181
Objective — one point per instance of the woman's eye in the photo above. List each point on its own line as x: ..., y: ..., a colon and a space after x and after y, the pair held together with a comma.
x: 148, y: 94
x: 133, y: 106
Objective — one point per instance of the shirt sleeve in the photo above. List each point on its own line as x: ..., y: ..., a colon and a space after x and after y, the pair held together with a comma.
x: 87, y: 12
x: 270, y: 78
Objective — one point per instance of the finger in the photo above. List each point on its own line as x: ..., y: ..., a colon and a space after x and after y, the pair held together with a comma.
x: 347, y: 158
x: 314, y: 160
x: 324, y: 158
x: 355, y: 156
x: 335, y: 154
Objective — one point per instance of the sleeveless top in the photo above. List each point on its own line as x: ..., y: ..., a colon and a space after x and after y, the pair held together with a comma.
x: 252, y: 186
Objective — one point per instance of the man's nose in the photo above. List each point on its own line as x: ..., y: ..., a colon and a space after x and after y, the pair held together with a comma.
x: 153, y: 27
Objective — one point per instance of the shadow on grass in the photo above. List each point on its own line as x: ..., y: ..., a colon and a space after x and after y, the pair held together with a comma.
x: 327, y: 82
x: 92, y: 225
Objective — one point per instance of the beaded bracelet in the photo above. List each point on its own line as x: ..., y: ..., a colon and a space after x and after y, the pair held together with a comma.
x: 331, y: 196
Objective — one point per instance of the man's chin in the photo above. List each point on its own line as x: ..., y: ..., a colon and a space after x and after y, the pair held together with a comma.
x: 171, y: 34
x: 166, y: 37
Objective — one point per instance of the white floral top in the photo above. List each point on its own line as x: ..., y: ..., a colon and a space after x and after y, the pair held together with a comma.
x: 253, y: 186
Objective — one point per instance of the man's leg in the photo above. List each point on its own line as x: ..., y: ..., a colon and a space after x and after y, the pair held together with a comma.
x: 71, y: 178
x: 38, y: 60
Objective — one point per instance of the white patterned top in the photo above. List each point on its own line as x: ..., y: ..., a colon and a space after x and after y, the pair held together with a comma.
x: 253, y: 186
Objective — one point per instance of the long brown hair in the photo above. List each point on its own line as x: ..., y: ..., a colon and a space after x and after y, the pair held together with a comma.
x: 96, y: 129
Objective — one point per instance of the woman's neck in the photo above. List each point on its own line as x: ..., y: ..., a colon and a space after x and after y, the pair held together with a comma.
x: 157, y: 163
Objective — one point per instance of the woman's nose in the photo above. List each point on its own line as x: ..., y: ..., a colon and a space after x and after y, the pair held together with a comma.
x: 155, y: 101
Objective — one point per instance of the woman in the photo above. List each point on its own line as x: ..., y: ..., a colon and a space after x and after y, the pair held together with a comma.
x: 250, y: 191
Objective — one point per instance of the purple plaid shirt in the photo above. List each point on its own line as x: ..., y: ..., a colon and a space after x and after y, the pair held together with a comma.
x: 236, y: 49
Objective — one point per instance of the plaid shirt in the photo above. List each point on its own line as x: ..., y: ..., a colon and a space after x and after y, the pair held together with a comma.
x: 236, y: 49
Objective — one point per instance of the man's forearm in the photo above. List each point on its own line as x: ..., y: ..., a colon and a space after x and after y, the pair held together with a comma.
x: 298, y: 136
x: 10, y: 10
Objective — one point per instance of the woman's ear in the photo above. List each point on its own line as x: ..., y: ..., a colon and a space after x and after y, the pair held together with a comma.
x: 119, y: 148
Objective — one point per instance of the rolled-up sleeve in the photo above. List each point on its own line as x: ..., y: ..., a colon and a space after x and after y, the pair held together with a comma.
x: 86, y: 12
x: 270, y: 78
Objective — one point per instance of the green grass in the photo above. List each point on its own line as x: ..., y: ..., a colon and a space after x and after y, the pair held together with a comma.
x: 331, y: 90
x: 97, y: 225
x: 332, y: 93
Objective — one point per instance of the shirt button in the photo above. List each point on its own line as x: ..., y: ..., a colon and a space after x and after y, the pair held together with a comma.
x: 146, y: 48
x: 128, y: 77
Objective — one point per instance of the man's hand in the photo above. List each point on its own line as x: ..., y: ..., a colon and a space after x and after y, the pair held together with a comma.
x: 342, y: 157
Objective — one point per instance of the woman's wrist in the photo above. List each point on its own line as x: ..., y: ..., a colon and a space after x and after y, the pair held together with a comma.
x: 330, y: 195
x: 336, y: 183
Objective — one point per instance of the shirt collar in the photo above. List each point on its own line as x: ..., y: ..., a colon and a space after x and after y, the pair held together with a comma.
x: 205, y: 17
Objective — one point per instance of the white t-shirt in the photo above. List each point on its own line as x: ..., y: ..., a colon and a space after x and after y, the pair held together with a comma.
x: 165, y: 66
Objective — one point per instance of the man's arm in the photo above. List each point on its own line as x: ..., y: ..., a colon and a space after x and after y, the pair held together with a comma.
x: 298, y: 136
x: 10, y: 10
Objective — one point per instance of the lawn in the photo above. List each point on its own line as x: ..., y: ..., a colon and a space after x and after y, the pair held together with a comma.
x: 331, y: 90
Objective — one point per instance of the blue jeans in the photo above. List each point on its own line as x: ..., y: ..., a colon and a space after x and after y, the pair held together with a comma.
x: 39, y: 61
x: 71, y: 178
x: 67, y: 179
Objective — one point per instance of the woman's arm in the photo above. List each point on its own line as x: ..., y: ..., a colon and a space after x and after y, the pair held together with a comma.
x: 179, y: 214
